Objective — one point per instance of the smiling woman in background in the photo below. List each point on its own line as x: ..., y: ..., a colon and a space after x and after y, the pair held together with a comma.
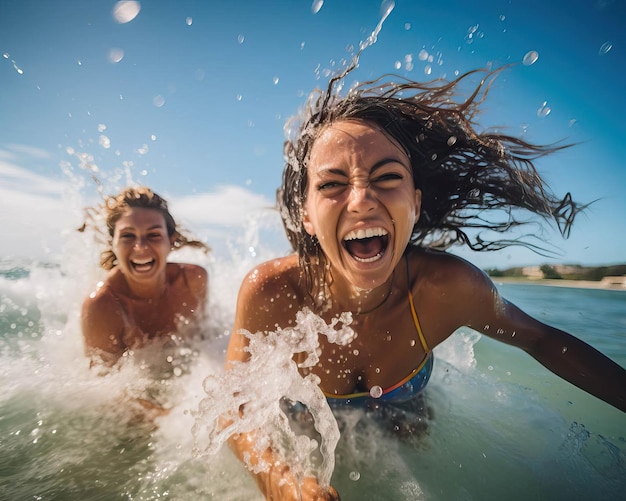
x: 143, y: 298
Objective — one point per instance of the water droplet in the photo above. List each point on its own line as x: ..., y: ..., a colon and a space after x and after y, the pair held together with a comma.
x: 104, y: 141
x: 116, y: 55
x: 316, y: 6
x: 377, y: 370
x: 412, y: 343
x: 376, y: 391
x: 606, y: 47
x: 500, y: 331
x: 422, y: 55
x: 451, y: 141
x: 564, y: 349
x: 125, y: 11
x: 354, y: 475
x: 355, y: 353
x: 240, y: 39
x: 275, y: 80
x: 544, y: 110
x: 490, y: 367
x: 530, y: 58
x: 189, y: 21
x: 158, y: 101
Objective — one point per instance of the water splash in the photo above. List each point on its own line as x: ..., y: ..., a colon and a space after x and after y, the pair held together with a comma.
x: 385, y: 9
x: 259, y: 385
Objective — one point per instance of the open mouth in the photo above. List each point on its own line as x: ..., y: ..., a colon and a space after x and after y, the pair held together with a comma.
x: 366, y: 246
x: 144, y: 265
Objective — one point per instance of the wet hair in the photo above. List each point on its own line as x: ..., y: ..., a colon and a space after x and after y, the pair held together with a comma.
x: 114, y: 207
x: 472, y: 182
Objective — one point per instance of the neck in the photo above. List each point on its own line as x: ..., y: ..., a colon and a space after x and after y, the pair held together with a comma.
x: 152, y: 291
x: 363, y: 301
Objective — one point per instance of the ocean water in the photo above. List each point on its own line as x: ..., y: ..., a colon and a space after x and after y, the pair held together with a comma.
x: 500, y: 426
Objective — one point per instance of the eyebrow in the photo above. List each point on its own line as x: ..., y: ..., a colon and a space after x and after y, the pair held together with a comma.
x: 376, y: 166
x: 153, y: 227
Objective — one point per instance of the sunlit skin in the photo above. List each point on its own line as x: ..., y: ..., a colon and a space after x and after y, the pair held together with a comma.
x: 358, y: 178
x: 144, y: 297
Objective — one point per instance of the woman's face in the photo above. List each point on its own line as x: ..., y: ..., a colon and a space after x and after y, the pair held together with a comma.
x: 361, y: 202
x: 141, y: 243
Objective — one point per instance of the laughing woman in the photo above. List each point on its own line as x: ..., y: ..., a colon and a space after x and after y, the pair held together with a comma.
x: 144, y: 298
x: 377, y: 185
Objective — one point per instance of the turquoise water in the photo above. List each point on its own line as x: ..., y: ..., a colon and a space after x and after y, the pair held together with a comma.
x: 502, y: 427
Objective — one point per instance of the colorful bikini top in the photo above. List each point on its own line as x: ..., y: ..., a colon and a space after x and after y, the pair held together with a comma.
x: 404, y: 390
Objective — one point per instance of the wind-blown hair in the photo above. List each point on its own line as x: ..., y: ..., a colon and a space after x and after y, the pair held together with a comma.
x: 115, y: 206
x: 467, y: 178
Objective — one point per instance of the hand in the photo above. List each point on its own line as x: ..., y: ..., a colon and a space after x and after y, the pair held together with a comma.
x: 282, y: 486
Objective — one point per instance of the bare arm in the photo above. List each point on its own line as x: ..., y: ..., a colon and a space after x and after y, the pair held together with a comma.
x: 257, y: 313
x: 567, y: 356
x: 198, y: 282
x: 482, y: 308
x: 103, y: 328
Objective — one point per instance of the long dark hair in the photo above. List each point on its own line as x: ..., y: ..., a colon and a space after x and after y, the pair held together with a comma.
x: 469, y: 180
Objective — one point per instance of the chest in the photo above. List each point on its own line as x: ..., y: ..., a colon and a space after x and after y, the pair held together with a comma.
x: 163, y: 316
x: 387, y: 348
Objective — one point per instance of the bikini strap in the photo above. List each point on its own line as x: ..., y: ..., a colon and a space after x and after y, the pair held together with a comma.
x: 413, y: 312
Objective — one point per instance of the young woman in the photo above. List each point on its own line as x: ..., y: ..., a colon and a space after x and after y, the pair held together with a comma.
x: 377, y: 184
x: 144, y: 298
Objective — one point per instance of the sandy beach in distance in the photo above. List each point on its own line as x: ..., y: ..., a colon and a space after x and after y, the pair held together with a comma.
x: 583, y: 284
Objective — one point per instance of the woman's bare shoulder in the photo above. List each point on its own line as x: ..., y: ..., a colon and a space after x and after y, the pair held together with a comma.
x: 442, y: 267
x: 272, y: 285
x: 276, y: 273
x: 103, y: 299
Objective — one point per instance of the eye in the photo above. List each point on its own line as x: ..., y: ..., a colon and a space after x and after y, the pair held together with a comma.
x: 127, y: 236
x: 329, y: 185
x: 388, y: 179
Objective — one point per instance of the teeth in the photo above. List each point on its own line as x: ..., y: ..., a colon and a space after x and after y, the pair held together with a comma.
x: 368, y: 259
x: 367, y: 233
x: 139, y: 263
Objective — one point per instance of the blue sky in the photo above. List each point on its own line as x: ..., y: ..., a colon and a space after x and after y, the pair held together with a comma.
x: 190, y: 97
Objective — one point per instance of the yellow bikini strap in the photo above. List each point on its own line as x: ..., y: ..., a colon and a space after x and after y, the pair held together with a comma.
x: 413, y: 312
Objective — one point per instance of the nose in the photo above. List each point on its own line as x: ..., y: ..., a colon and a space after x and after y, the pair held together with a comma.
x: 141, y: 243
x: 362, y: 197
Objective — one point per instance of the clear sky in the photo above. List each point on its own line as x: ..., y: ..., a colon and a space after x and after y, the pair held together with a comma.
x: 190, y: 97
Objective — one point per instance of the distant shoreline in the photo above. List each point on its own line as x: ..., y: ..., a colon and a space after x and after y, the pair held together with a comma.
x: 580, y: 284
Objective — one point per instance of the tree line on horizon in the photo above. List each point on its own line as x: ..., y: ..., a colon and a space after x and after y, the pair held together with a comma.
x: 565, y: 272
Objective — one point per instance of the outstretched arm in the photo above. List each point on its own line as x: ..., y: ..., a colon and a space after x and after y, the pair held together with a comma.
x: 483, y: 309
x: 565, y: 355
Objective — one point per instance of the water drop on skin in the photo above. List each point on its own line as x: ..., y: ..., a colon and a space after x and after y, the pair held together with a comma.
x: 376, y: 391
x: 354, y: 475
